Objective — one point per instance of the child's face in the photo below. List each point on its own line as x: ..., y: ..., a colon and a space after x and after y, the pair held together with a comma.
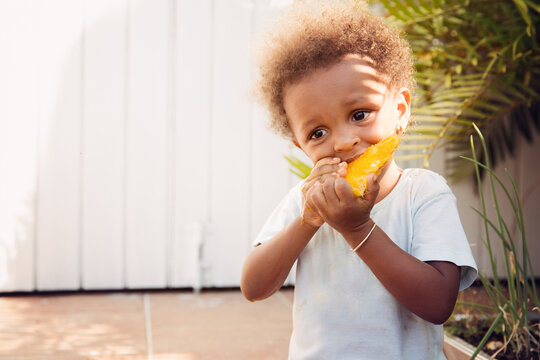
x: 342, y: 110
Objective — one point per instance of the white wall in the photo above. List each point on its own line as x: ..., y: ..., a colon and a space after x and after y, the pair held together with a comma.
x: 130, y: 153
x: 126, y: 139
x: 524, y: 169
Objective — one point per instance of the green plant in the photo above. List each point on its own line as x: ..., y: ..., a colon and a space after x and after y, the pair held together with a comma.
x: 298, y: 167
x: 477, y: 62
x: 512, y: 306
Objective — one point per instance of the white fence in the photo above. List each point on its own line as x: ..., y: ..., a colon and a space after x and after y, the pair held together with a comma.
x: 130, y: 153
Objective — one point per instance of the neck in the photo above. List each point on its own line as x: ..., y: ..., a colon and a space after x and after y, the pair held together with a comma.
x: 388, y: 179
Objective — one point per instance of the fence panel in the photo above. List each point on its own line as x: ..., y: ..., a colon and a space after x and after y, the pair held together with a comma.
x: 103, y: 142
x: 230, y: 141
x: 59, y: 145
x: 192, y: 141
x: 18, y: 132
x: 146, y: 144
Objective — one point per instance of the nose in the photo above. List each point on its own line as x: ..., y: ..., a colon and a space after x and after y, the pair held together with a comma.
x: 345, y: 141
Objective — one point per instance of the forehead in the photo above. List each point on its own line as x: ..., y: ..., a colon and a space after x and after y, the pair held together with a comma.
x: 352, y: 79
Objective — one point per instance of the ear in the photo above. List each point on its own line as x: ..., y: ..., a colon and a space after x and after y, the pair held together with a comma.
x: 293, y: 140
x: 403, y: 109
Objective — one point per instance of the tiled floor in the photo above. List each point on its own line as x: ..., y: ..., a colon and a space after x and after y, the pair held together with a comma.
x: 176, y: 325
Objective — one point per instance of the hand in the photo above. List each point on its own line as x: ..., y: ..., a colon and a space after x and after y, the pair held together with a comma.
x: 334, y: 201
x: 323, y: 169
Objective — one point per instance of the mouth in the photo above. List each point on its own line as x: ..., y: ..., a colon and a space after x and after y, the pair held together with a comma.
x: 351, y: 159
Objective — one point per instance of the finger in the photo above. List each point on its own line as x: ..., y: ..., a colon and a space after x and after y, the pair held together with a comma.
x: 343, y: 190
x: 328, y: 177
x: 324, y: 166
x: 321, y: 179
x: 323, y: 170
x: 306, y: 186
x: 328, y: 161
x: 329, y: 191
x: 342, y: 169
x: 310, y: 216
x: 316, y: 198
x: 372, y: 188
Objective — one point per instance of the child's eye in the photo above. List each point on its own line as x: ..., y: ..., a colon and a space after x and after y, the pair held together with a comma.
x: 317, y: 134
x: 360, y: 115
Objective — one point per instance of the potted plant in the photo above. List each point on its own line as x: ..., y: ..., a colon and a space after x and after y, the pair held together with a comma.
x: 512, y: 315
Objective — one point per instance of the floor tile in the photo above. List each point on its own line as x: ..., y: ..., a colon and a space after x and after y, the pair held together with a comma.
x: 221, y: 325
x: 72, y: 326
x: 112, y: 326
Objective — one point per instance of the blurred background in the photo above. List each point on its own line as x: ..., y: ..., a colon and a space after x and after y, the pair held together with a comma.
x: 132, y: 157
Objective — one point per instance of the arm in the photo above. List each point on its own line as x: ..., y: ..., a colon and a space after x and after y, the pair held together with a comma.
x: 268, y: 265
x: 428, y: 289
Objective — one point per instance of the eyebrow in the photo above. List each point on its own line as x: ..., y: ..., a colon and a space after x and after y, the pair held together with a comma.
x: 307, y: 126
x: 364, y: 99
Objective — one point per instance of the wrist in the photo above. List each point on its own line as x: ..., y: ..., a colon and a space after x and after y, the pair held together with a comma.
x: 360, y: 234
x: 310, y: 224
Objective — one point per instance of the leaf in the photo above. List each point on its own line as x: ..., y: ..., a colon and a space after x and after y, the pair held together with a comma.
x: 409, y: 157
x: 524, y: 11
x: 474, y: 62
x: 430, y: 119
x: 412, y: 4
x: 515, y: 44
x: 532, y: 5
x: 430, y: 111
x: 500, y: 96
x: 413, y: 147
x: 444, y: 105
x: 471, y: 112
x: 448, y: 80
x: 404, y: 10
x: 419, y: 137
x: 486, y: 105
x: 392, y: 10
x: 298, y: 167
x: 430, y: 129
x: 490, y: 66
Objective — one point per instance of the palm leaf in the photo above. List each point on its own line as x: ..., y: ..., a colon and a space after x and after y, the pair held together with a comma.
x: 477, y: 61
x: 298, y: 167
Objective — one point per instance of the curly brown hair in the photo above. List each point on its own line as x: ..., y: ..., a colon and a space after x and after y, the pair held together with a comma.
x: 315, y: 35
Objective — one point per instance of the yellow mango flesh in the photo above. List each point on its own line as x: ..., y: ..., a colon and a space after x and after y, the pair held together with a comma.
x: 370, y: 162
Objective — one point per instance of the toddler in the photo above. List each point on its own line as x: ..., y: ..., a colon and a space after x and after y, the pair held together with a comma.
x: 376, y: 275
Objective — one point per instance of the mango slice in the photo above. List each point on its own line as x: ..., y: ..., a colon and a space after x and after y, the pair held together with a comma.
x: 369, y: 162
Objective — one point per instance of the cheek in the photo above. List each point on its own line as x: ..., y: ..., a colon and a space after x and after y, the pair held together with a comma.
x: 388, y: 115
x: 316, y: 153
x: 307, y: 151
x: 314, y: 156
x: 387, y: 121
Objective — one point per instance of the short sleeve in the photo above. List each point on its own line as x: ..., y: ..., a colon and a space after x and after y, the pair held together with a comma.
x: 286, y: 211
x: 437, y: 231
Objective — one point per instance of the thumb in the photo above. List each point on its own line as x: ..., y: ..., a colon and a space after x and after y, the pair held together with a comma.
x: 372, y: 188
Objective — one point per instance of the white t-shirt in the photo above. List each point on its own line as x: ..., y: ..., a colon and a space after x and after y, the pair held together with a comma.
x: 341, y: 310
